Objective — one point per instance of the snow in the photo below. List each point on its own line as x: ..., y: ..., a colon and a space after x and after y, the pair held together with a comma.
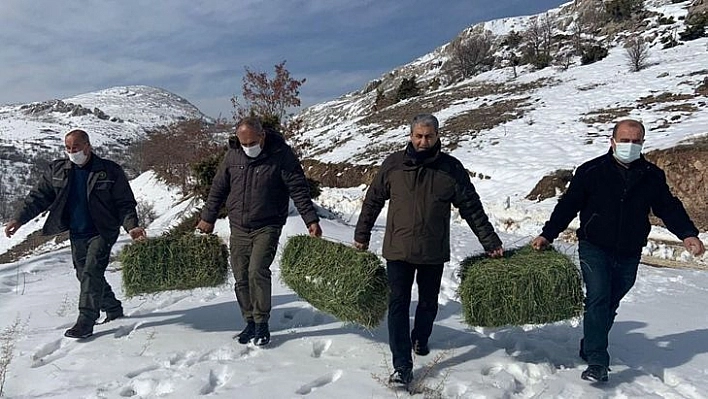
x: 180, y: 343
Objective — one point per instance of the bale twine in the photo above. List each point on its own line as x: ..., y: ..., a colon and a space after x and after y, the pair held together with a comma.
x: 523, y: 287
x: 174, y: 262
x: 336, y: 279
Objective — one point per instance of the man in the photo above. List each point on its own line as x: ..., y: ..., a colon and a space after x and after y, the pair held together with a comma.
x: 90, y: 197
x: 421, y: 183
x: 257, y: 176
x: 614, y: 194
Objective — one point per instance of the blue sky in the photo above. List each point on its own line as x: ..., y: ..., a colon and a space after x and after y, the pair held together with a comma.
x: 198, y: 49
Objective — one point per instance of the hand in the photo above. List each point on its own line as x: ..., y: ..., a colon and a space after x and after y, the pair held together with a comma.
x: 12, y: 228
x: 205, y: 227
x: 315, y: 229
x: 496, y: 252
x: 694, y: 246
x: 361, y: 246
x: 137, y: 233
x: 540, y: 243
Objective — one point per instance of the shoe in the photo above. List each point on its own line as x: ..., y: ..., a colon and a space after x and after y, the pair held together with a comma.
x: 402, y: 375
x: 247, y: 334
x: 262, y: 336
x: 110, y: 316
x: 595, y: 372
x: 581, y: 352
x: 420, y: 348
x: 80, y: 330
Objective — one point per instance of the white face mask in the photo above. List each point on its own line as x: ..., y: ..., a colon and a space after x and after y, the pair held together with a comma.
x: 627, y: 152
x: 77, y: 157
x: 252, y: 151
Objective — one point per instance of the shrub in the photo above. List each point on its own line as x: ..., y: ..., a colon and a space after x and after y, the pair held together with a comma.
x: 622, y: 10
x: 174, y: 262
x: 695, y: 27
x: 336, y: 279
x: 523, y: 287
x: 407, y: 89
x: 592, y: 54
x: 146, y: 213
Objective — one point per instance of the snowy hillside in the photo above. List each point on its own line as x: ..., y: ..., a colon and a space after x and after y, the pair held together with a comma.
x: 34, y: 133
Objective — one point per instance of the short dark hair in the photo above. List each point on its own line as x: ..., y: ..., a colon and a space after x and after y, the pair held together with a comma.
x: 252, y: 122
x: 425, y: 120
x: 82, y: 135
x: 630, y: 122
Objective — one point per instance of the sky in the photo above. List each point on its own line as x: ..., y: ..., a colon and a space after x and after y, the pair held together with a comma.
x: 199, y: 49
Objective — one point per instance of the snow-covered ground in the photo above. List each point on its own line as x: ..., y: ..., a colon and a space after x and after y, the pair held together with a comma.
x: 180, y: 344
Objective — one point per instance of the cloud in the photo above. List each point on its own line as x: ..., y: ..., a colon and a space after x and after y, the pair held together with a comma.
x: 198, y: 49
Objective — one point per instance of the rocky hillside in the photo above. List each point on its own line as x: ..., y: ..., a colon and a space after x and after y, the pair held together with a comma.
x: 556, y: 81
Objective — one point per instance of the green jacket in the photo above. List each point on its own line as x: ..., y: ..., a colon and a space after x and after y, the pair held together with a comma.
x: 421, y: 194
x: 111, y: 200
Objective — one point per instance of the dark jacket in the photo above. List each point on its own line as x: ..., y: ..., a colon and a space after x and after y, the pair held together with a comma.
x: 421, y: 193
x: 256, y: 190
x: 110, y: 199
x: 614, y: 205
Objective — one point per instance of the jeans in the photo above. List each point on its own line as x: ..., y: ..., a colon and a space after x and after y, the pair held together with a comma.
x: 400, y: 283
x: 90, y: 257
x: 608, y: 277
x: 251, y: 256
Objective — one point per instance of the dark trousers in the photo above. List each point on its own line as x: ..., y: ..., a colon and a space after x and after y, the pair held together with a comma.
x: 251, y: 256
x: 400, y: 283
x: 608, y: 278
x: 90, y: 257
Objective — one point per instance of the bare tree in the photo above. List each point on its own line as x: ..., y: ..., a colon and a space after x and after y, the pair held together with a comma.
x: 471, y: 55
x: 539, y: 41
x: 637, y: 53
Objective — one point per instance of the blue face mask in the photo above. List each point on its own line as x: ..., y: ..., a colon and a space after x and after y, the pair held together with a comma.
x: 627, y: 152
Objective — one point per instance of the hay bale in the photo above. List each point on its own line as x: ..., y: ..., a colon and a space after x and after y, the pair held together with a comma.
x: 523, y: 287
x: 174, y: 262
x: 337, y: 279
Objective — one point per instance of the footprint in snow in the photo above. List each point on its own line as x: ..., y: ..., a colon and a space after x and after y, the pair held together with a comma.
x: 321, y: 346
x: 319, y: 382
x: 49, y: 352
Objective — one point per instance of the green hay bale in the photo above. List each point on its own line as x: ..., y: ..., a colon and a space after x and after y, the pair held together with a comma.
x: 337, y: 279
x: 523, y: 287
x: 174, y: 262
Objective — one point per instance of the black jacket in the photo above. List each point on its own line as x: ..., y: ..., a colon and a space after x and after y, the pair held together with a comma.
x: 256, y: 190
x: 421, y: 194
x: 110, y: 198
x: 614, y: 205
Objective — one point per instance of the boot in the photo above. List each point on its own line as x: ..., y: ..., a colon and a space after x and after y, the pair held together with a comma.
x: 247, y: 334
x: 82, y: 329
x: 262, y: 336
x: 402, y: 376
x: 595, y: 372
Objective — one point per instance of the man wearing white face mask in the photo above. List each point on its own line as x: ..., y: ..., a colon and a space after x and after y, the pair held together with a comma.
x: 614, y: 194
x: 255, y: 180
x: 90, y: 197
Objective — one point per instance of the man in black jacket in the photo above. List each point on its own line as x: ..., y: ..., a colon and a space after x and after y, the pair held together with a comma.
x: 422, y: 183
x: 258, y: 175
x: 614, y: 194
x: 93, y: 221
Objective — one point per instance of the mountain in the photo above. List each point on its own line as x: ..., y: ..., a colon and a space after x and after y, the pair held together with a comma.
x: 33, y: 134
x: 513, y: 114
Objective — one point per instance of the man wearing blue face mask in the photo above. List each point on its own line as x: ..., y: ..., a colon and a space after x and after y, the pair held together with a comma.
x: 614, y: 194
x: 258, y: 175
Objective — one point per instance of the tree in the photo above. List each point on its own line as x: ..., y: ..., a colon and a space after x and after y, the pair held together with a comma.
x: 539, y: 41
x: 622, y: 10
x: 171, y: 150
x: 407, y: 89
x: 269, y: 99
x: 471, y: 55
x: 637, y: 53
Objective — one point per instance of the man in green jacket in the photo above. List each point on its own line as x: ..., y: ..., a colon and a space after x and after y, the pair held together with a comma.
x: 422, y: 183
x: 90, y: 197
x: 256, y: 179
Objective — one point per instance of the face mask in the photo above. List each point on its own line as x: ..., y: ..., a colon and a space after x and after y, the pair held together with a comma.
x: 78, y: 157
x: 627, y: 152
x: 252, y: 151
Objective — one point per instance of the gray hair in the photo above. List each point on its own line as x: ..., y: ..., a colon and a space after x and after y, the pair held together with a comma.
x: 82, y: 135
x: 251, y: 122
x: 425, y: 120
